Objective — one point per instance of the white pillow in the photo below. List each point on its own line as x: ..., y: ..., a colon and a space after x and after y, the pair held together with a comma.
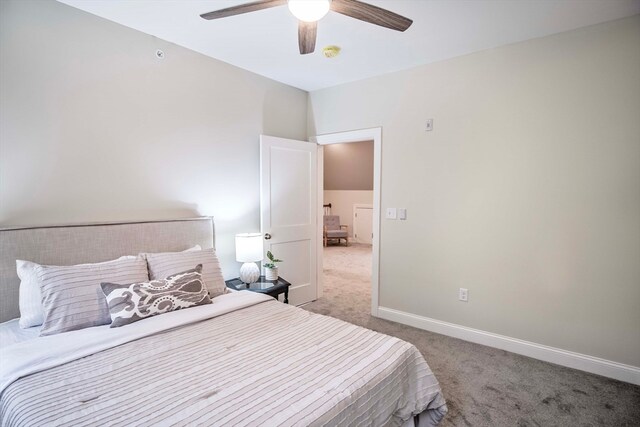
x: 30, y: 297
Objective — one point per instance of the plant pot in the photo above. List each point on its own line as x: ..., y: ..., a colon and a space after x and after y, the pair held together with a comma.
x: 271, y: 273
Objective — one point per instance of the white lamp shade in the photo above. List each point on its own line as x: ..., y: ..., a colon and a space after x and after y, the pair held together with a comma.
x: 248, y: 247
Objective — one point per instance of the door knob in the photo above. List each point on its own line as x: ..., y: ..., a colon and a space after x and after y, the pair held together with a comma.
x: 267, y: 236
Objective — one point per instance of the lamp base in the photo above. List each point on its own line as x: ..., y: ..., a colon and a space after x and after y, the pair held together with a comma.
x: 249, y: 272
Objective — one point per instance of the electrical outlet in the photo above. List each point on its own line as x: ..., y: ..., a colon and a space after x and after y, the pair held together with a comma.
x: 463, y: 294
x: 402, y: 214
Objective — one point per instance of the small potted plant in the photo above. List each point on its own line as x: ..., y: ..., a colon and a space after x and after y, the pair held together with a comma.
x: 270, y: 268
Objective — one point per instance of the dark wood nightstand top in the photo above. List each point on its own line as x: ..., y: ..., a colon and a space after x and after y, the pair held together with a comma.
x: 263, y: 286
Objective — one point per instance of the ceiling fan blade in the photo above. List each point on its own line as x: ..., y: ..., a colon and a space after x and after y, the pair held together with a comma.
x: 307, y: 32
x: 243, y: 8
x: 371, y: 14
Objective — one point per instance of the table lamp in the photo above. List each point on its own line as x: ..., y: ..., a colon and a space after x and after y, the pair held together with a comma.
x: 249, y: 251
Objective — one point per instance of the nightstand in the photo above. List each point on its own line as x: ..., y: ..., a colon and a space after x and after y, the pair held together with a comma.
x: 263, y: 286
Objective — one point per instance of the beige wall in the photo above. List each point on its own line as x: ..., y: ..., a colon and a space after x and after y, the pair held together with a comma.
x: 342, y: 203
x: 94, y: 127
x: 527, y: 191
x: 348, y: 166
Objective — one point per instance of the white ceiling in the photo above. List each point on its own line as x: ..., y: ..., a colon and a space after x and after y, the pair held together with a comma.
x: 265, y: 42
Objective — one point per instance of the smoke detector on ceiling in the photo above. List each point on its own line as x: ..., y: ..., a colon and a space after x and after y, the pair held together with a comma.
x: 331, y: 51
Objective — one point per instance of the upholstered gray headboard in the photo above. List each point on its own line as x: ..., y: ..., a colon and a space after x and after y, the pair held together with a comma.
x: 82, y: 243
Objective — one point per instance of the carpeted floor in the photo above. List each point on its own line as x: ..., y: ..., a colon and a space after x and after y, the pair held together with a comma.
x: 483, y: 386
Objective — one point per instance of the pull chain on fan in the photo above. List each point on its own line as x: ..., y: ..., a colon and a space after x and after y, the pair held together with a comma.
x: 309, y: 12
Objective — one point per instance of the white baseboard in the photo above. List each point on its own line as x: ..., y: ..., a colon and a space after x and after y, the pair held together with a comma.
x: 595, y: 365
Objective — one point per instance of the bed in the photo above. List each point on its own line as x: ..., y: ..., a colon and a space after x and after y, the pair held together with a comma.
x: 245, y: 359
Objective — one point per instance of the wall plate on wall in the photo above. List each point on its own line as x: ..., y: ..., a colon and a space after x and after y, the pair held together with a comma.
x: 391, y: 213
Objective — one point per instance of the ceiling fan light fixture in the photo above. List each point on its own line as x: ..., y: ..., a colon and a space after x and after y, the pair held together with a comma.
x: 309, y: 10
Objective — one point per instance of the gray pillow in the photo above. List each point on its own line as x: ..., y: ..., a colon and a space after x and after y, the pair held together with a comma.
x: 30, y: 300
x: 162, y: 265
x: 71, y: 295
x: 136, y: 301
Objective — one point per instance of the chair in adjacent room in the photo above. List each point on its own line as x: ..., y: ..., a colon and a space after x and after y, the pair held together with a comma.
x: 333, y: 230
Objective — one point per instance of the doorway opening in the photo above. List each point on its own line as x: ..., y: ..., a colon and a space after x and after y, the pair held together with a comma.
x: 348, y: 223
x: 349, y: 205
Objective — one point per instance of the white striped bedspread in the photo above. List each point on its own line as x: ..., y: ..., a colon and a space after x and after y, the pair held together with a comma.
x: 262, y: 364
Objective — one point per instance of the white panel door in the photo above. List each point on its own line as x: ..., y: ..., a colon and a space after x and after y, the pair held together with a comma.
x: 363, y: 225
x: 288, y: 197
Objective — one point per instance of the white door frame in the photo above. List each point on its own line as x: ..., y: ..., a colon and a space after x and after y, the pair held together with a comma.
x: 374, y: 134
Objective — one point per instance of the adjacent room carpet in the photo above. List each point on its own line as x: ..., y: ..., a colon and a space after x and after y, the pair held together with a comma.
x: 483, y: 386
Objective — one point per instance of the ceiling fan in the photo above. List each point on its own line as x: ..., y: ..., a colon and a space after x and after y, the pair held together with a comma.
x: 309, y: 12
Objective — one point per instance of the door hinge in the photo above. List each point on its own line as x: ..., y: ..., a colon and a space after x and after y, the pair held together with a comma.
x: 356, y: 215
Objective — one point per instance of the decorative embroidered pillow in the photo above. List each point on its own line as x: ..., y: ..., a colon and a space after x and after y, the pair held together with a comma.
x: 136, y: 301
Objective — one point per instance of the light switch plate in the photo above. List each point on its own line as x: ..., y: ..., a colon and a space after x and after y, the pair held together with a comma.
x: 402, y: 214
x: 391, y: 213
x: 429, y: 125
